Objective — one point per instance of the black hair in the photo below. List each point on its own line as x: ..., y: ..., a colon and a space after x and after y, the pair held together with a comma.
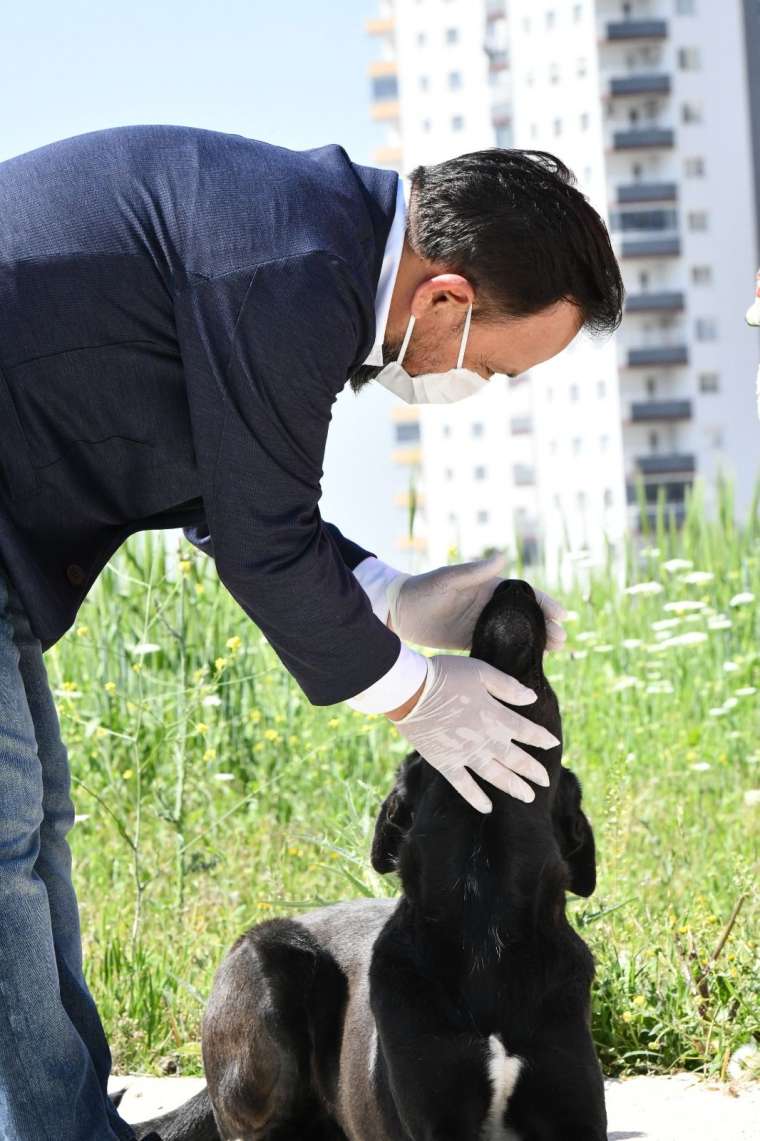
x: 513, y: 223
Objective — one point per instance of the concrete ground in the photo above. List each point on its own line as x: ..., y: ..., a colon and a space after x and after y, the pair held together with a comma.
x: 677, y: 1108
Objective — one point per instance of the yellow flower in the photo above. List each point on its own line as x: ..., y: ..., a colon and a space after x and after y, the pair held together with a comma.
x: 137, y: 667
x: 198, y: 674
x: 293, y: 740
x: 263, y: 905
x: 220, y: 663
x: 279, y: 718
x: 271, y: 735
x: 185, y: 566
x: 201, y: 727
x: 234, y: 643
x: 200, y: 588
x: 254, y: 715
x: 333, y: 723
x: 110, y: 687
x: 127, y: 774
x: 627, y: 1016
x: 334, y: 855
x: 69, y: 686
x: 82, y: 631
x: 639, y: 1000
x: 209, y: 754
x: 101, y: 732
x: 131, y: 707
x: 258, y: 746
x: 294, y: 851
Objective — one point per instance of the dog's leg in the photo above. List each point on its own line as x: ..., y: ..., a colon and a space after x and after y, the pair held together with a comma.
x: 436, y: 1068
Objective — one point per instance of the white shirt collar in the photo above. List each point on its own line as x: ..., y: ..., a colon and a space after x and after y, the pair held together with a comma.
x: 391, y: 259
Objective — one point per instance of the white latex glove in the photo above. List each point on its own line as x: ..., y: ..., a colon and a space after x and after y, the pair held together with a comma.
x: 457, y: 722
x: 439, y: 609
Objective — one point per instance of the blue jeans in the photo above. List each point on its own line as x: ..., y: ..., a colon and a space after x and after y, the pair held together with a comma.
x: 54, y: 1057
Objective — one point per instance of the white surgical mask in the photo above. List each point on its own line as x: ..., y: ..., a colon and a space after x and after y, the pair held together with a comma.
x: 431, y: 387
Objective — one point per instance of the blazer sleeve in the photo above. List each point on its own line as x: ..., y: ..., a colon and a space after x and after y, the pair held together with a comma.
x: 265, y: 353
x: 352, y: 554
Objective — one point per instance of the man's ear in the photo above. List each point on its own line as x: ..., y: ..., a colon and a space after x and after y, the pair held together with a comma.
x: 396, y: 815
x: 574, y: 834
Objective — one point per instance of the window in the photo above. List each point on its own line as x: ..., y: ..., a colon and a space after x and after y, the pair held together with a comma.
x: 608, y: 497
x: 601, y: 389
x: 557, y: 126
x: 407, y: 433
x: 574, y: 392
x: 554, y: 73
x: 715, y: 436
x: 551, y: 18
x: 424, y: 83
x: 385, y: 87
x: 421, y: 39
x: 581, y: 498
x: 479, y: 472
x: 503, y: 135
x: 582, y: 67
x: 697, y: 220
x: 524, y: 476
x: 689, y: 59
x: 477, y: 429
x: 577, y: 13
x: 694, y: 167
x: 644, y: 279
x: 691, y: 112
x: 706, y: 328
x: 482, y: 516
x: 701, y: 274
x: 604, y: 443
x: 457, y: 123
x: 709, y: 383
x: 585, y: 120
x: 447, y: 429
x: 426, y: 124
x: 448, y: 473
x: 534, y: 130
x: 577, y: 445
x: 452, y: 35
x: 455, y: 80
x: 654, y: 441
x: 553, y: 447
x: 651, y: 387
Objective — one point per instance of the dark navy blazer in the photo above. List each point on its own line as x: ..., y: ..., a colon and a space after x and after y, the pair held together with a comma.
x: 178, y: 310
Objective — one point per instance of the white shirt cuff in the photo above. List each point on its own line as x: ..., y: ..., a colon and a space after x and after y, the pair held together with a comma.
x: 374, y: 577
x: 396, y: 686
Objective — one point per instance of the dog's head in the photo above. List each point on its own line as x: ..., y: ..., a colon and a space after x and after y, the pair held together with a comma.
x: 511, y: 635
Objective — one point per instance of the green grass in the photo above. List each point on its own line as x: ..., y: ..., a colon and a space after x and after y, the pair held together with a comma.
x: 212, y: 795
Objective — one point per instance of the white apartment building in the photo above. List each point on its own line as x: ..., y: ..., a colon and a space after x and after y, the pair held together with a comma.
x: 654, y: 107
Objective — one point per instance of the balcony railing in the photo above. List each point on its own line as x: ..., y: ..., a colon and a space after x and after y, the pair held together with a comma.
x: 645, y: 411
x: 662, y: 355
x: 672, y: 490
x: 637, y: 30
x: 651, y: 247
x: 664, y: 302
x: 640, y: 85
x: 647, y: 192
x: 665, y: 464
x: 521, y: 425
x: 639, y: 138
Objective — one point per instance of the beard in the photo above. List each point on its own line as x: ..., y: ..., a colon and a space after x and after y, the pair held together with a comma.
x: 367, y: 372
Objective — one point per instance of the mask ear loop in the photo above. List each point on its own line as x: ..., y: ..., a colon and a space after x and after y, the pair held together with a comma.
x: 465, y: 335
x: 406, y: 340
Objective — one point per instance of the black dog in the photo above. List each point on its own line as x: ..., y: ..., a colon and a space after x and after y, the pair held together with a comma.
x: 459, y: 1012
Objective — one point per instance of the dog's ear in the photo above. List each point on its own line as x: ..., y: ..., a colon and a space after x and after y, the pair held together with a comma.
x: 574, y: 834
x: 396, y: 814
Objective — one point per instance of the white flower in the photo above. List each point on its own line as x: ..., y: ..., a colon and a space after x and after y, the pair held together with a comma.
x: 745, y: 1062
x: 719, y: 622
x: 212, y: 699
x: 631, y: 643
x: 752, y: 796
x: 571, y: 616
x: 660, y: 687
x: 746, y: 691
x: 685, y: 604
x: 673, y: 565
x: 624, y: 682
x: 143, y: 648
x: 700, y: 766
x: 650, y: 552
x: 645, y: 588
x: 696, y: 578
x: 78, y: 819
x: 605, y: 649
x: 224, y: 776
x: 666, y: 623
x: 579, y: 653
x: 730, y: 703
x: 721, y: 712
x: 586, y: 636
x: 730, y: 667
x: 690, y: 638
x: 742, y: 599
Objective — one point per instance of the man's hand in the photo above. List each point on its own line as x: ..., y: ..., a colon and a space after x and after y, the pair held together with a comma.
x: 455, y: 721
x: 439, y: 609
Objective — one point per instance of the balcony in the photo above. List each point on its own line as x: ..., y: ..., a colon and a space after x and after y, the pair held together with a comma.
x: 640, y: 85
x: 521, y: 425
x: 647, y: 192
x: 625, y: 30
x: 386, y: 111
x: 498, y: 59
x: 663, y: 302
x: 407, y: 457
x: 651, y: 247
x: 388, y: 156
x: 673, y: 491
x: 663, y: 355
x: 495, y: 9
x: 384, y: 26
x: 501, y: 114
x: 641, y: 138
x: 666, y: 464
x: 647, y: 411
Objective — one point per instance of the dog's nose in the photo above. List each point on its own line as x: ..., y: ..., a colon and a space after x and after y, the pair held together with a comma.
x: 516, y: 586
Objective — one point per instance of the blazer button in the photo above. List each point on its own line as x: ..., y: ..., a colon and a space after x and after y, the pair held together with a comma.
x: 75, y: 574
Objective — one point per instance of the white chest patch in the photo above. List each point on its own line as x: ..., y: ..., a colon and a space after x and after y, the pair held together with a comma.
x: 503, y: 1072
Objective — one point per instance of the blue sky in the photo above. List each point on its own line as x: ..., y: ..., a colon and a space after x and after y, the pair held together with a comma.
x: 293, y: 72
